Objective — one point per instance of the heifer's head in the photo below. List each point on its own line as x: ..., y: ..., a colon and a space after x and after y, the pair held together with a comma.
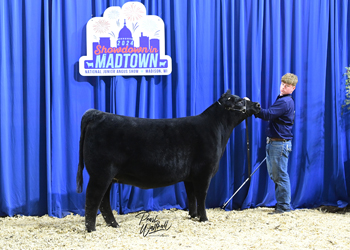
x: 235, y: 103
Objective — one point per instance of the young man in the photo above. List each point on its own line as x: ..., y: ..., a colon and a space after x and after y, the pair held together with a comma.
x: 279, y: 134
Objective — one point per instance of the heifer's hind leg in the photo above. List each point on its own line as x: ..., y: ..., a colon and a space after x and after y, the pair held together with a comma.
x: 192, y: 202
x: 106, y: 210
x: 94, y: 194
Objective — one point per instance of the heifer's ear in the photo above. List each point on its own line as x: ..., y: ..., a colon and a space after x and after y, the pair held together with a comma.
x: 228, y: 92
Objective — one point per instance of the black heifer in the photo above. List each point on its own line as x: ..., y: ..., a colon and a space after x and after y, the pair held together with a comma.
x: 151, y: 153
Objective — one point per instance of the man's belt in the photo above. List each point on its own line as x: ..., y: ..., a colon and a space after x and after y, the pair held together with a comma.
x: 276, y: 139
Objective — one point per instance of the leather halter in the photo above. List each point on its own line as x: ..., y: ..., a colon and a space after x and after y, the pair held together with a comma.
x: 243, y: 109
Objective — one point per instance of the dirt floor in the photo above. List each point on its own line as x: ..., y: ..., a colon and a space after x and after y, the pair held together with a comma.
x: 322, y: 228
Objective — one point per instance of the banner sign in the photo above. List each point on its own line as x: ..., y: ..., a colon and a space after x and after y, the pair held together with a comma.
x: 125, y: 41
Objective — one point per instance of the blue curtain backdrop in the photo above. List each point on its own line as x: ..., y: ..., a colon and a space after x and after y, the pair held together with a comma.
x: 245, y: 46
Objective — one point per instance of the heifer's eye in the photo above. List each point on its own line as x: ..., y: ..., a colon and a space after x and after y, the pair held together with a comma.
x: 229, y: 98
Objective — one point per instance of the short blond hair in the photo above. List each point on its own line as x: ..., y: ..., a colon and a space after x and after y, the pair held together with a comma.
x: 290, y: 78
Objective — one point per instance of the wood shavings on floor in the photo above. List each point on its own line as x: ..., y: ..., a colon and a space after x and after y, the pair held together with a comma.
x: 173, y: 229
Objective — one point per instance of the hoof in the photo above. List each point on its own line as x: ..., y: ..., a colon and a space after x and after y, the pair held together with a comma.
x: 203, y: 219
x: 193, y: 215
x: 89, y: 230
x: 114, y: 224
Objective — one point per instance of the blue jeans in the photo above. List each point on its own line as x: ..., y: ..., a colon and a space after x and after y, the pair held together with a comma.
x: 277, y: 153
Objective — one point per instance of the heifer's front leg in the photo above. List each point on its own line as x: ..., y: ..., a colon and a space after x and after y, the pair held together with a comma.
x: 106, y: 210
x: 94, y: 194
x: 201, y: 189
x: 192, y: 202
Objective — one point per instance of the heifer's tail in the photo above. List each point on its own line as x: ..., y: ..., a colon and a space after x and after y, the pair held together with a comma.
x: 84, y: 122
